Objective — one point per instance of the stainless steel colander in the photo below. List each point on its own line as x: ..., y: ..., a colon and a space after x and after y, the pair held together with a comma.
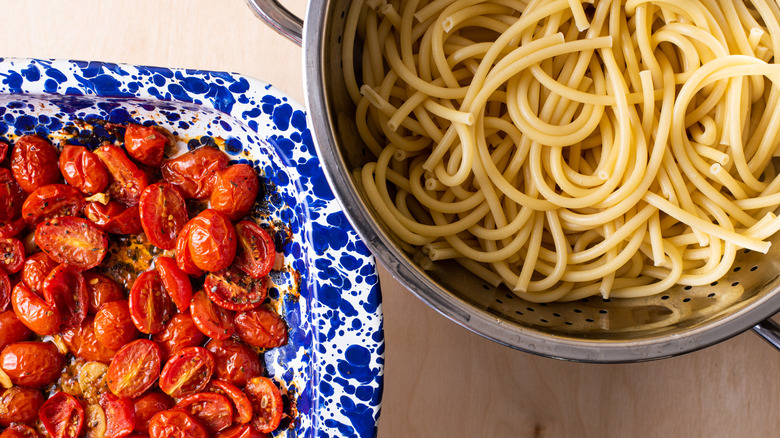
x: 591, y: 330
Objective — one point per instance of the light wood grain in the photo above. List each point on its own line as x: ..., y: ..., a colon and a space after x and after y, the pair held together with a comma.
x: 441, y: 380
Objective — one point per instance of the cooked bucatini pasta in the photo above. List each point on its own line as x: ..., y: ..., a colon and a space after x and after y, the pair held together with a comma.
x: 567, y: 148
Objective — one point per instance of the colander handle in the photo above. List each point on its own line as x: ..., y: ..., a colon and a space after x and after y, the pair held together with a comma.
x: 278, y: 18
x: 770, y: 331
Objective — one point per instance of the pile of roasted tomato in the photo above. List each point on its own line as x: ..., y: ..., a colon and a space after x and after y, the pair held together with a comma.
x: 172, y: 353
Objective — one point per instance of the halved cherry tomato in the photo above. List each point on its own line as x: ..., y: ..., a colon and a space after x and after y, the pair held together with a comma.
x: 243, y: 408
x: 180, y: 332
x: 214, y: 321
x: 35, y: 270
x: 147, y: 405
x: 261, y: 327
x: 72, y: 240
x: 11, y: 227
x: 242, y: 431
x: 235, y: 361
x: 50, y: 201
x: 66, y: 290
x: 267, y: 403
x: 34, y: 163
x: 82, y: 343
x: 255, y: 253
x: 120, y: 415
x: 234, y: 290
x: 101, y: 290
x: 176, y: 424
x: 19, y: 430
x: 11, y: 196
x: 34, y: 312
x: 195, y: 172
x: 113, y: 325
x: 134, y: 369
x: 11, y: 254
x: 128, y: 181
x: 235, y: 191
x: 175, y: 281
x: 163, y: 214
x: 212, y: 241
x: 12, y: 330
x: 5, y: 290
x: 83, y: 170
x: 62, y: 416
x: 32, y: 364
x: 150, y: 305
x: 20, y: 405
x: 183, y: 257
x: 145, y: 143
x: 114, y: 217
x: 211, y: 409
x: 187, y: 371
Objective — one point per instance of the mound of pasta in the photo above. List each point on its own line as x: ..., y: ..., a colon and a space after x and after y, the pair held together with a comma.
x: 568, y: 149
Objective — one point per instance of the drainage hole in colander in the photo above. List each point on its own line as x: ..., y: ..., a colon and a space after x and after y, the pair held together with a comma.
x: 746, y: 251
x: 568, y: 323
x: 577, y: 311
x: 714, y: 283
x: 665, y: 297
x: 499, y: 301
x: 687, y: 287
x: 602, y: 311
x: 530, y: 309
x: 543, y: 320
x: 711, y: 295
x: 557, y: 315
x: 519, y: 312
x: 753, y: 268
x: 606, y: 300
x: 588, y: 320
x: 685, y: 300
x: 737, y: 268
x: 509, y: 296
x: 735, y: 284
x: 342, y: 14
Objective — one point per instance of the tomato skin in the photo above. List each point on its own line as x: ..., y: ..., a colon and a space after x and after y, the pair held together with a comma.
x: 234, y: 290
x: 175, y: 281
x: 5, y: 290
x: 235, y: 191
x: 66, y: 290
x: 211, y: 409
x: 34, y: 163
x: 19, y: 430
x: 11, y: 227
x: 134, y: 369
x: 243, y: 408
x: 50, y: 201
x: 187, y: 372
x: 35, y: 270
x: 83, y: 170
x: 35, y: 313
x: 128, y: 181
x: 183, y: 256
x: 114, y: 217
x: 32, y: 364
x: 235, y: 362
x: 262, y: 328
x: 82, y: 343
x: 11, y: 196
x: 212, y: 241
x: 72, y: 240
x: 147, y: 405
x: 20, y: 405
x: 101, y: 289
x: 12, y: 330
x: 176, y: 424
x: 255, y: 253
x: 180, y: 332
x: 195, y: 172
x: 62, y: 416
x: 150, y: 305
x: 163, y: 214
x: 11, y: 254
x: 120, y: 415
x: 242, y: 431
x: 215, y: 322
x: 146, y: 144
x: 267, y: 403
x: 3, y: 151
x: 113, y: 325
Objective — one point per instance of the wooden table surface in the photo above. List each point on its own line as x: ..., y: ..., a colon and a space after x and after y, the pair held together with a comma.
x: 440, y: 379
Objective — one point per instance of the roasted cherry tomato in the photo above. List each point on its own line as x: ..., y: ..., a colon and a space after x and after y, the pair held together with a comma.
x: 113, y: 325
x: 11, y: 227
x: 12, y: 330
x: 62, y: 416
x: 212, y: 241
x: 180, y: 332
x: 72, y: 240
x: 19, y: 405
x: 34, y: 312
x: 50, y: 201
x: 146, y: 144
x: 243, y: 408
x: 35, y: 270
x: 82, y: 343
x: 11, y: 196
x: 163, y: 214
x: 195, y: 172
x: 120, y: 415
x: 183, y: 257
x: 32, y: 364
x: 267, y: 403
x: 114, y: 217
x: 150, y: 305
x: 66, y: 290
x: 175, y: 281
x: 3, y: 151
x: 147, y: 405
x: 214, y: 321
x: 176, y: 424
x: 101, y: 290
x: 242, y: 431
x: 187, y: 371
x: 83, y: 170
x: 261, y: 327
x: 232, y: 289
x: 34, y: 163
x: 5, y: 290
x: 255, y: 253
x: 128, y: 181
x: 211, y: 409
x: 19, y: 430
x: 235, y: 362
x: 235, y: 191
x: 134, y: 369
x: 11, y: 254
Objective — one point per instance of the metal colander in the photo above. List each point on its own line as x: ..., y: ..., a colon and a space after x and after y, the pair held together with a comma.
x: 681, y: 320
